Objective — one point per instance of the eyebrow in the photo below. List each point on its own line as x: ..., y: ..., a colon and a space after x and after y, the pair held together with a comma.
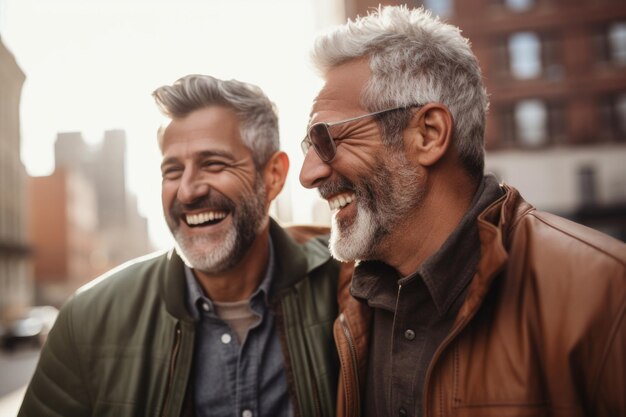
x: 200, y: 155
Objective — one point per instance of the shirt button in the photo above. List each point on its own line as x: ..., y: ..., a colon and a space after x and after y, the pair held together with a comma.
x: 409, y: 335
x: 206, y: 307
x: 402, y: 412
x: 246, y: 413
x: 226, y: 340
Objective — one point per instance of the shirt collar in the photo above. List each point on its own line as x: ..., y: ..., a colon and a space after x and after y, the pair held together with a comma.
x: 445, y: 273
x: 196, y: 296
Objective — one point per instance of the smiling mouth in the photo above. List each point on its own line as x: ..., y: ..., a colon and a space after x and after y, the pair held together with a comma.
x: 341, y: 200
x: 207, y: 218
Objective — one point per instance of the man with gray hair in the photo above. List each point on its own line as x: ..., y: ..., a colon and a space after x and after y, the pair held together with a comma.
x: 237, y: 319
x: 467, y: 300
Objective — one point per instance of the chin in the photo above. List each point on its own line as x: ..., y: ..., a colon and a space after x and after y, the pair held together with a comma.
x: 205, y: 254
x: 356, y: 241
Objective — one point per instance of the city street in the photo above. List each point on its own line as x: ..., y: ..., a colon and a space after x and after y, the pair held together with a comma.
x: 16, y: 369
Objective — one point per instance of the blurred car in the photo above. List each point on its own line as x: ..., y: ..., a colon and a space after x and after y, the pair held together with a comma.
x: 30, y: 328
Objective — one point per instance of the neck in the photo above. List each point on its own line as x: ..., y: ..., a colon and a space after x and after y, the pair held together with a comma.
x: 239, y: 282
x: 445, y: 203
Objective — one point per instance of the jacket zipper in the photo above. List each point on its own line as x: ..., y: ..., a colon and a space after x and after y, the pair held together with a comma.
x: 173, y: 359
x: 346, y: 332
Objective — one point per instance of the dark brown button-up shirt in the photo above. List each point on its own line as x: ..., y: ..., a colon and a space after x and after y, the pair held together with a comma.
x: 413, y: 314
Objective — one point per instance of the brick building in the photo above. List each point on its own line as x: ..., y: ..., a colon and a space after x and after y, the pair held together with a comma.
x: 556, y: 74
x: 64, y: 235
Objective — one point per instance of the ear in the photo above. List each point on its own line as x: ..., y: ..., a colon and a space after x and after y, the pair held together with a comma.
x: 429, y: 134
x: 275, y: 174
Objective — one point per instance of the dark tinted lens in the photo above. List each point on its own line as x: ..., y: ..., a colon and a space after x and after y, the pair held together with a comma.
x: 322, y: 141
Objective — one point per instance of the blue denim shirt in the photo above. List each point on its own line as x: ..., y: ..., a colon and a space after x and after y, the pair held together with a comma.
x: 237, y: 379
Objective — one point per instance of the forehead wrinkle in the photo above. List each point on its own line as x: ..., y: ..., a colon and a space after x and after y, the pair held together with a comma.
x: 341, y: 96
x: 334, y: 92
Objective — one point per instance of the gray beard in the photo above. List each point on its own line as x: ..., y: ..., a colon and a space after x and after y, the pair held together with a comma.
x: 202, y: 253
x: 215, y: 255
x: 380, y: 210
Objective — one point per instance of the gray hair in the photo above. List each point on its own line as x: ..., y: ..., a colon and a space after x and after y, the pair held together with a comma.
x: 257, y: 114
x: 415, y: 59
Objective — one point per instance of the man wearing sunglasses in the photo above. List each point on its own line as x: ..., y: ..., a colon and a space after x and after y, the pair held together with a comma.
x: 467, y: 300
x: 237, y: 319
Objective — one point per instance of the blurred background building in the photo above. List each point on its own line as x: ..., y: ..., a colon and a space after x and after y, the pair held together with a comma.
x: 15, y: 271
x: 63, y: 232
x: 556, y: 74
x: 83, y: 221
x: 122, y: 229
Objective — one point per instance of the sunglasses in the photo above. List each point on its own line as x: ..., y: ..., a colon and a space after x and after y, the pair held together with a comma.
x: 321, y: 139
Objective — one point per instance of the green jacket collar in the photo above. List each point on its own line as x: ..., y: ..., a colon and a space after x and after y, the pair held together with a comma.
x: 293, y: 262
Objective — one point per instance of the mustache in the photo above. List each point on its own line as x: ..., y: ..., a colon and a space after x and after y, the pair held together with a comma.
x: 330, y: 188
x: 213, y: 201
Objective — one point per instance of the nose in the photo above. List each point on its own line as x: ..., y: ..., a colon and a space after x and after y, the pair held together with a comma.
x: 314, y: 171
x: 191, y: 188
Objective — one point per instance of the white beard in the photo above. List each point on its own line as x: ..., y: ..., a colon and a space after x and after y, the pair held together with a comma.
x: 395, y: 195
x: 356, y: 241
x: 207, y: 254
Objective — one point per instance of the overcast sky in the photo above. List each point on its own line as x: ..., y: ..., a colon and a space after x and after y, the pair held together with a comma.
x: 91, y: 66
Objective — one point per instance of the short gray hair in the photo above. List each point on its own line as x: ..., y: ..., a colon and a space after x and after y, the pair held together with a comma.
x: 256, y: 113
x: 415, y: 59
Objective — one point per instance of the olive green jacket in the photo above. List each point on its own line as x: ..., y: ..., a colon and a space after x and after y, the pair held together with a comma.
x: 123, y: 345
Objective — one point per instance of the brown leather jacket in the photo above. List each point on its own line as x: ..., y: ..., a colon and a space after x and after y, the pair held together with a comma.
x: 542, y: 331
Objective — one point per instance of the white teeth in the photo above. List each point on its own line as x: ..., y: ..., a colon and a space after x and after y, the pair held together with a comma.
x: 341, y: 201
x: 195, y: 219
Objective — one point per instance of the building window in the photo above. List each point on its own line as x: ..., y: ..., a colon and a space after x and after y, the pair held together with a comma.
x: 525, y: 55
x: 519, y: 5
x: 442, y: 8
x: 531, y: 123
x: 617, y: 42
x: 610, y: 43
x: 528, y: 55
